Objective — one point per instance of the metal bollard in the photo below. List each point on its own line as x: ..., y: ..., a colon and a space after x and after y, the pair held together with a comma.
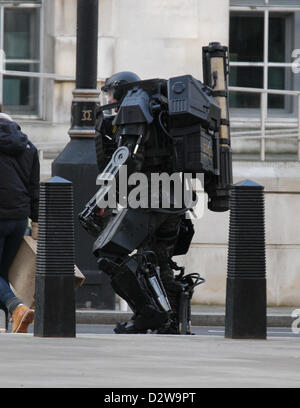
x: 55, y: 294
x: 245, y: 316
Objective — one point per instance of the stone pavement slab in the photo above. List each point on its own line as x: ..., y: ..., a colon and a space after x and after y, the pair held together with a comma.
x: 150, y: 361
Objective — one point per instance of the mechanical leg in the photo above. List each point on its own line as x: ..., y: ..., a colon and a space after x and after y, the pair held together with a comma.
x: 141, y: 288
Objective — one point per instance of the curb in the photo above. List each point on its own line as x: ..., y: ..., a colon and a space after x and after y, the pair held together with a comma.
x: 198, y: 319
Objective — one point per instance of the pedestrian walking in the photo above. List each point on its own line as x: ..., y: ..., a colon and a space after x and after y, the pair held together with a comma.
x: 19, y: 202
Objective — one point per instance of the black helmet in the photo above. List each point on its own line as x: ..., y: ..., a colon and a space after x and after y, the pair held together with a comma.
x: 120, y: 78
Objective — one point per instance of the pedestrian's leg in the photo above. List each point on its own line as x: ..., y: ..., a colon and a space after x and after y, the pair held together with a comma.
x: 12, y: 243
x: 22, y: 316
x: 6, y: 294
x: 3, y: 283
x: 12, y: 236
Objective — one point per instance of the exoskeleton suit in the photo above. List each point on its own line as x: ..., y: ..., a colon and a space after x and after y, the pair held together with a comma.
x: 174, y: 126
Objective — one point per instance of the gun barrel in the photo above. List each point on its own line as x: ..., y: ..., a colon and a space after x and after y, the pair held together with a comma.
x: 215, y: 74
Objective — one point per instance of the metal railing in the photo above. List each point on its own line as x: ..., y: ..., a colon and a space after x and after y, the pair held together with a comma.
x: 265, y: 64
x: 262, y: 134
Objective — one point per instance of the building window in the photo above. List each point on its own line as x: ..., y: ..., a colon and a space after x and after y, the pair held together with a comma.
x: 20, y: 40
x: 263, y: 35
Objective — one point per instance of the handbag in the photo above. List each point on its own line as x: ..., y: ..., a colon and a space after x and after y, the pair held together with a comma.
x: 22, y: 272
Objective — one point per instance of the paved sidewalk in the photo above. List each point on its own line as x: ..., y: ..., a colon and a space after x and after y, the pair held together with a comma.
x: 202, y: 315
x: 150, y: 361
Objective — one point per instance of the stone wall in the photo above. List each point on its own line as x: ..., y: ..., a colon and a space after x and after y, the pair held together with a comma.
x: 154, y: 38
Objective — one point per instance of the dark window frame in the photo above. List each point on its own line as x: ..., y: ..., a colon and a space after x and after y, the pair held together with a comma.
x: 33, y: 107
x: 289, y: 101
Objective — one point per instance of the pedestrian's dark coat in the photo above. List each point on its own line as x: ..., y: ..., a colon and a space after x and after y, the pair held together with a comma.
x: 19, y: 174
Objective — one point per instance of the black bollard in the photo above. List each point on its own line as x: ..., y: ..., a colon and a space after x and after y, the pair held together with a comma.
x: 54, y: 286
x: 245, y: 316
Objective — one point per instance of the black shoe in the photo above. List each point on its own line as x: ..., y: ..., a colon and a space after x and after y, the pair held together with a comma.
x: 170, y: 327
x: 151, y: 319
x: 128, y: 328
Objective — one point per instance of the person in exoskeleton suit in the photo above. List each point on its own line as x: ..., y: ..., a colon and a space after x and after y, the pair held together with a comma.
x: 178, y: 126
x: 163, y: 224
